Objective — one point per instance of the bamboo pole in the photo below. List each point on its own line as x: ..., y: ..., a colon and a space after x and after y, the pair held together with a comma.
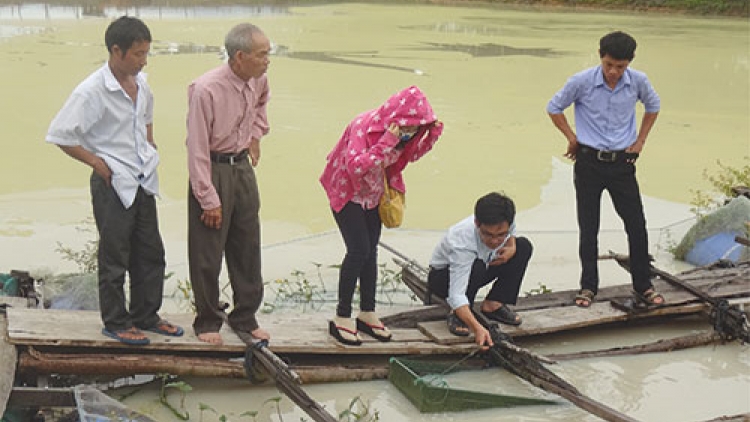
x: 666, y: 345
x: 287, y: 381
x: 34, y: 361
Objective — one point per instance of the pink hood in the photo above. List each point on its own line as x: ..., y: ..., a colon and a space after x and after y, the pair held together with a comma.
x: 366, y: 142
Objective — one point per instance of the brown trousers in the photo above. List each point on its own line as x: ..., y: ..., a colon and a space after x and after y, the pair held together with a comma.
x: 238, y: 241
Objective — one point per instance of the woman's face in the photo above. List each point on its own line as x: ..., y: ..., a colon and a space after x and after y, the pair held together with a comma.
x: 406, y: 133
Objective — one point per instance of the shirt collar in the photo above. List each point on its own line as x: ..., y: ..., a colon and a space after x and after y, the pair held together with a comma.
x: 112, y: 83
x: 235, y: 80
x: 599, y: 78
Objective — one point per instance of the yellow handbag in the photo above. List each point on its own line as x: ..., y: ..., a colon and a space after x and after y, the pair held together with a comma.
x: 392, y: 203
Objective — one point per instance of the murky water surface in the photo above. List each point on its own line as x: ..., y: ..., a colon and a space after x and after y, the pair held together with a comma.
x: 489, y: 73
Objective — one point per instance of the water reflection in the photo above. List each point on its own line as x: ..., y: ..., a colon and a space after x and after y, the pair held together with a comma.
x: 493, y: 50
x: 343, y: 58
x: 78, y: 10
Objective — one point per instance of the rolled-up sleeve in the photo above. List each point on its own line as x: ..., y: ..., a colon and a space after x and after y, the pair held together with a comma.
x: 72, y: 121
x: 199, y: 120
x: 564, y: 97
x: 648, y: 96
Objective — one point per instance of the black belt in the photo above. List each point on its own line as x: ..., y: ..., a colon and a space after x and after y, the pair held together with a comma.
x: 603, y: 155
x: 230, y: 159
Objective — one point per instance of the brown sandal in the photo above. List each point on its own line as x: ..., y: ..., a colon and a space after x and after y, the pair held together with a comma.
x: 584, y: 298
x: 649, y: 298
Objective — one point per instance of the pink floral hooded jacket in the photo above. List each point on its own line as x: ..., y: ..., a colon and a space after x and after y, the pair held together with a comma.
x: 354, y: 168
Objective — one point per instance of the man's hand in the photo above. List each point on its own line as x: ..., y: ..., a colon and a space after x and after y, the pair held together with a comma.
x: 572, y: 150
x: 254, y: 151
x: 212, y: 218
x: 505, y: 253
x: 102, y: 169
x: 482, y: 337
x: 632, y: 153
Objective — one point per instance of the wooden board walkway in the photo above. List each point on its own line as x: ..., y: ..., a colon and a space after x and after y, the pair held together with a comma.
x: 55, y: 341
x: 291, y: 334
x: 307, y: 333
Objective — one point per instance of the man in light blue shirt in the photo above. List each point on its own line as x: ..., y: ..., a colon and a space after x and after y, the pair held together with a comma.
x: 605, y: 146
x: 478, y: 250
x: 106, y: 123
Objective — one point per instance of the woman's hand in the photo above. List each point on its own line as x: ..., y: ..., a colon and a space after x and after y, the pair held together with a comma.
x: 394, y: 129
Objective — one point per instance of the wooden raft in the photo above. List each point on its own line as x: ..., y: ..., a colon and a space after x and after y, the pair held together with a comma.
x: 555, y: 312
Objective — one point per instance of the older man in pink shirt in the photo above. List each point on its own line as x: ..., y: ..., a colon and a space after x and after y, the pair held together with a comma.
x: 226, y: 119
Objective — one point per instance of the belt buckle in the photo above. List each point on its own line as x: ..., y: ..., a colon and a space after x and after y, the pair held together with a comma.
x: 231, y: 160
x: 606, y: 156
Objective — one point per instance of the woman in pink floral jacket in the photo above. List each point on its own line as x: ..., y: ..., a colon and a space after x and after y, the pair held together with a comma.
x: 382, y: 140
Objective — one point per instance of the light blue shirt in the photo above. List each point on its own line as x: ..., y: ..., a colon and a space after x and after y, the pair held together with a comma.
x: 102, y: 118
x: 605, y: 117
x: 458, y: 250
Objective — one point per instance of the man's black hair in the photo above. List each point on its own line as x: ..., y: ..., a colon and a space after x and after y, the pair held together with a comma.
x: 618, y: 45
x: 125, y: 31
x: 494, y: 208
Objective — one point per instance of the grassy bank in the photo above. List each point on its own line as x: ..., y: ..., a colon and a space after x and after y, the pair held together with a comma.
x: 736, y: 8
x: 703, y: 7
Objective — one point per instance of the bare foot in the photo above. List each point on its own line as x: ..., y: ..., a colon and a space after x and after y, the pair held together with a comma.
x: 212, y: 338
x: 260, y: 334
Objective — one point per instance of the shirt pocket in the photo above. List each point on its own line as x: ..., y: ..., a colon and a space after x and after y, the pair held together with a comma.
x: 622, y: 104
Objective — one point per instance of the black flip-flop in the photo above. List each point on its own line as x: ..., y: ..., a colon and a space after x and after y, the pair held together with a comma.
x: 638, y: 303
x: 334, y: 330
x: 455, y: 323
x: 370, y: 330
x: 503, y: 315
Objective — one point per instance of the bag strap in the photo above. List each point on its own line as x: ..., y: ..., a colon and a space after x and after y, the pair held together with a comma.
x: 386, y: 186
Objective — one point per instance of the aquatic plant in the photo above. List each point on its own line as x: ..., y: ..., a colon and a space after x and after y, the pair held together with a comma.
x: 542, y: 289
x: 723, y: 181
x: 85, y: 258
x: 167, y: 383
x: 358, y: 411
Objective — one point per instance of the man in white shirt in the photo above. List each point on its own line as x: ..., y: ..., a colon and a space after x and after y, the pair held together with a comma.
x: 106, y: 123
x: 478, y: 250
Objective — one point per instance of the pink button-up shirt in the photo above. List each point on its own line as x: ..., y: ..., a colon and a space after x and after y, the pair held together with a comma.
x: 224, y: 114
x: 354, y: 169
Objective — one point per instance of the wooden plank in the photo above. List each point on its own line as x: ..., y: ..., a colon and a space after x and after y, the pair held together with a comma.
x: 26, y: 397
x: 8, y: 359
x: 291, y: 334
x: 14, y: 302
x: 540, y: 321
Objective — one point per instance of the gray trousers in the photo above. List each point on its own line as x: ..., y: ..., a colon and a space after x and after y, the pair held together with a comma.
x: 129, y: 241
x: 237, y: 241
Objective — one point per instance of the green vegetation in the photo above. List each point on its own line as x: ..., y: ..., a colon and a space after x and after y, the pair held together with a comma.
x: 722, y: 182
x: 357, y: 411
x: 542, y: 289
x: 85, y: 258
x: 704, y: 7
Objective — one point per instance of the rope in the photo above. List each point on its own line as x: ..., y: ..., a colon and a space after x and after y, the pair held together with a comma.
x: 730, y: 322
x: 439, y: 381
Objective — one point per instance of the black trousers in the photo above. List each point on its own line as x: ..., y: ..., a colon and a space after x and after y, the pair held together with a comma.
x: 129, y: 241
x: 361, y: 230
x: 591, y: 178
x: 507, y: 277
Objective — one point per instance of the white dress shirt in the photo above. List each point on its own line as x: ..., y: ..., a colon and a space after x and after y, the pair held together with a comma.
x: 458, y: 250
x: 103, y: 119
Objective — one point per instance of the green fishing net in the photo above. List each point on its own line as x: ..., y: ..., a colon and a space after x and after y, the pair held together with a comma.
x: 423, y: 384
